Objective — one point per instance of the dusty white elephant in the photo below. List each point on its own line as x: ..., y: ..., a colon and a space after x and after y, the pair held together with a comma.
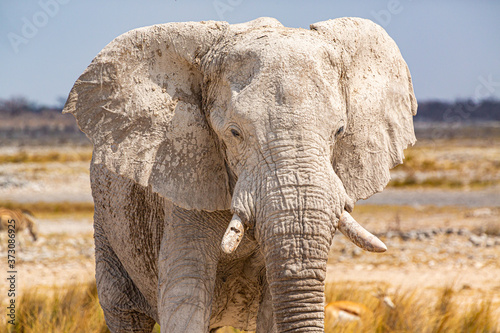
x: 278, y: 130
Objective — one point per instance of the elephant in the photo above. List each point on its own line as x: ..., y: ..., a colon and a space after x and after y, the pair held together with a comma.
x: 225, y: 157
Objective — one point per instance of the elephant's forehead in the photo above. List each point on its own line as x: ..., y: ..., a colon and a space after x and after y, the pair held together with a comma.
x: 285, y: 69
x: 273, y: 46
x: 287, y: 66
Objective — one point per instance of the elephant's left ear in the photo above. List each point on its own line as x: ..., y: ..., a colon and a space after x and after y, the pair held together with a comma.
x: 140, y: 103
x: 380, y: 104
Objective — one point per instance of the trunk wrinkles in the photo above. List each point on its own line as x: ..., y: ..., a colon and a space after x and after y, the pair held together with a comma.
x: 296, y: 212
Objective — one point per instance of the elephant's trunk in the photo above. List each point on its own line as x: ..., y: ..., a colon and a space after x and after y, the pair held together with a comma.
x: 295, y: 206
x: 296, y: 230
x: 296, y: 254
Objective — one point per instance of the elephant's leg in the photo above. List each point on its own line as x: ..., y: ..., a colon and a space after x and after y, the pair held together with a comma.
x: 265, y: 320
x: 187, y: 270
x: 120, y: 299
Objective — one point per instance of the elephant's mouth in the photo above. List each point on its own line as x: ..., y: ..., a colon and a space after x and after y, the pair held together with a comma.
x: 346, y: 224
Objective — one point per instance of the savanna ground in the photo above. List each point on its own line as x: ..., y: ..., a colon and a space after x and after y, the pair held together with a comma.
x: 439, y: 217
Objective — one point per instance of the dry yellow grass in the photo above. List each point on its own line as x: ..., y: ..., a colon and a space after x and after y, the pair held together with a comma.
x: 46, y: 157
x: 452, y: 164
x: 48, y: 209
x: 414, y: 311
x: 76, y: 309
x: 418, y: 311
x: 73, y: 308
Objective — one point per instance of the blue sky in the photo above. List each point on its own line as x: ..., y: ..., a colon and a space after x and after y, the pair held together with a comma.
x: 451, y: 47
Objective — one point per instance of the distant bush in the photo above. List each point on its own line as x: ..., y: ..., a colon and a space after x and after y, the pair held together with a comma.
x: 458, y: 111
x: 19, y: 105
x: 23, y: 122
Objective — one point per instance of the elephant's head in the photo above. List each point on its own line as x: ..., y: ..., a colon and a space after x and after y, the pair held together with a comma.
x: 286, y: 127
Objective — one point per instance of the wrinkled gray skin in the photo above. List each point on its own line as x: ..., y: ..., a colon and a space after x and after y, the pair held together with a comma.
x: 192, y: 122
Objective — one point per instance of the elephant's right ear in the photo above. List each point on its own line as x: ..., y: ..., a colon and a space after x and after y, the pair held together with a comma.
x: 140, y: 103
x: 380, y: 104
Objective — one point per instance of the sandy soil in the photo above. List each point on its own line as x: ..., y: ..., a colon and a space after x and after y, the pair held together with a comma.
x: 63, y: 253
x: 444, y: 260
x: 420, y: 255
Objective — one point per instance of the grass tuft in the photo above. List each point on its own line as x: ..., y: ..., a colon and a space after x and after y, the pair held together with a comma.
x: 74, y: 308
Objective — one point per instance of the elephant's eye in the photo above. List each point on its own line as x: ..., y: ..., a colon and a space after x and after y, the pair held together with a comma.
x: 340, y: 131
x: 235, y: 133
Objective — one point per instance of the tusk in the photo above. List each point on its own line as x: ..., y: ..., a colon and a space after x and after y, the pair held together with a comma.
x: 359, y: 235
x: 233, y: 235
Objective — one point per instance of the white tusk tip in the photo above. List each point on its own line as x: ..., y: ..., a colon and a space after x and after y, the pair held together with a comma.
x: 233, y: 235
x: 359, y: 235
